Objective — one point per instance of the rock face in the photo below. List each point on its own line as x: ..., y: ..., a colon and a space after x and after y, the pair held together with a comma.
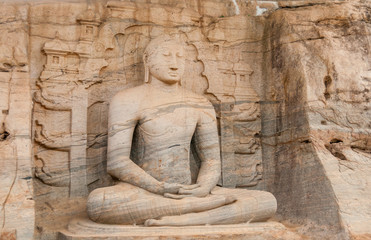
x: 289, y: 81
x: 17, y: 214
x: 316, y: 131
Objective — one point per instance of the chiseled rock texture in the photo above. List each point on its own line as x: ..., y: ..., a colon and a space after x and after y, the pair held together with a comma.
x: 289, y: 80
x: 17, y: 214
x: 316, y: 121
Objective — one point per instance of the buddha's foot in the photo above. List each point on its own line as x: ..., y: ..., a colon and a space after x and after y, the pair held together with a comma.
x: 189, y: 219
x: 182, y: 220
x: 230, y: 199
x: 151, y: 222
x: 194, y: 204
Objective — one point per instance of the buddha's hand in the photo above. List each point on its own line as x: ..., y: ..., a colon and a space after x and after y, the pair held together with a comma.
x: 174, y: 188
x: 189, y: 191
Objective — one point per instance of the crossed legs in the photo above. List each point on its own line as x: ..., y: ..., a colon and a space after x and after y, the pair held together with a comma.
x: 250, y: 206
x: 127, y: 204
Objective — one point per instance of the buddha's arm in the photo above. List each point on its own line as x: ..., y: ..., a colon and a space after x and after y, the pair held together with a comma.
x: 122, y: 120
x: 206, y: 143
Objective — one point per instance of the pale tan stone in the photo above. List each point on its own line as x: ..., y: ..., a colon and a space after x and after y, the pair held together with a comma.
x: 17, y: 216
x: 289, y: 81
x: 86, y: 229
x: 319, y: 66
x: 153, y: 170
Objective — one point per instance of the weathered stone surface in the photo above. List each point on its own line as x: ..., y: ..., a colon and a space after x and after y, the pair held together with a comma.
x: 16, y: 193
x: 289, y: 81
x: 151, y: 131
x: 86, y: 229
x: 316, y: 120
x: 109, y: 60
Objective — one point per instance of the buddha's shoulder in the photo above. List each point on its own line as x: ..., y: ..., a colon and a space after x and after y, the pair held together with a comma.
x: 194, y: 97
x: 130, y: 95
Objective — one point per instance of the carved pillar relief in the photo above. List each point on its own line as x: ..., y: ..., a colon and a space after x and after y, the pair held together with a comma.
x: 239, y: 115
x: 62, y: 105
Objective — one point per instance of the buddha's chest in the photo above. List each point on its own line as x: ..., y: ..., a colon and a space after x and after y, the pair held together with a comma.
x: 169, y: 122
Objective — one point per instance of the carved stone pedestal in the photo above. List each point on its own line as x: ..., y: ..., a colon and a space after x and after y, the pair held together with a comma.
x: 83, y: 228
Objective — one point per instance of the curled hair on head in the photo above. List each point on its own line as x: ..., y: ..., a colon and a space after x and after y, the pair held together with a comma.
x: 152, y: 46
x: 160, y: 40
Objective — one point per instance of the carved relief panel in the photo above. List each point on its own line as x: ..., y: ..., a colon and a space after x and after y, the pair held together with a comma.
x: 60, y: 111
x: 239, y: 115
x: 80, y: 78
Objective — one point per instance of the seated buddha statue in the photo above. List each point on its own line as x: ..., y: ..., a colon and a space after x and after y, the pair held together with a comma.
x: 154, y: 187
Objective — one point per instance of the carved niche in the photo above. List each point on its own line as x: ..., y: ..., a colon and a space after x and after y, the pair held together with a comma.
x: 79, y: 79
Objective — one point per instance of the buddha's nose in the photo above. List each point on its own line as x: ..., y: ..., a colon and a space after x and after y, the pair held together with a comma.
x: 173, y: 64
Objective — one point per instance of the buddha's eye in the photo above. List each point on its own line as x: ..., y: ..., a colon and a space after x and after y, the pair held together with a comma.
x: 179, y: 54
x: 166, y: 54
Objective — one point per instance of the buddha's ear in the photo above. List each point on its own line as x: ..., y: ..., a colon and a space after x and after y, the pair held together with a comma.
x: 146, y: 68
x: 145, y: 58
x: 146, y: 74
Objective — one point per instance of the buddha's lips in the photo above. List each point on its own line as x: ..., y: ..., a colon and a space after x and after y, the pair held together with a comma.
x: 173, y: 74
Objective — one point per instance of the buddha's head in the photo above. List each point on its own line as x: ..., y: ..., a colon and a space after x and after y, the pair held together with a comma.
x: 164, y: 60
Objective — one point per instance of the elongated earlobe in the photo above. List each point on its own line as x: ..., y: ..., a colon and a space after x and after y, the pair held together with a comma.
x: 146, y: 68
x: 146, y: 74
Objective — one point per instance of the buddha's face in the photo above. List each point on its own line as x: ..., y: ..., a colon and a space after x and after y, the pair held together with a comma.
x: 166, y: 62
